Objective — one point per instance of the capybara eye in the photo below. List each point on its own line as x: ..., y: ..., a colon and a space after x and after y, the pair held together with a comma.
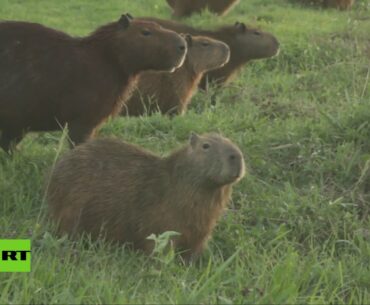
x: 257, y: 33
x: 205, y: 44
x: 146, y: 32
x: 206, y: 146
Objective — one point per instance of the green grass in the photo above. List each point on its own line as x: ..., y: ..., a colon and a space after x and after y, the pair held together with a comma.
x: 297, y: 230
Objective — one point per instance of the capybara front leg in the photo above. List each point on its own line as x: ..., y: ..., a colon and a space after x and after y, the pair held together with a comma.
x: 79, y: 133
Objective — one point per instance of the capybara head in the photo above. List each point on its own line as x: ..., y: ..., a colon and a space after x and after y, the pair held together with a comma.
x: 253, y: 43
x: 205, y: 53
x: 160, y: 49
x: 218, y: 160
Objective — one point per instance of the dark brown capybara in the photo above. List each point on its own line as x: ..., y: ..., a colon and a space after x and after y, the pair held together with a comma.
x: 171, y: 93
x: 339, y: 4
x: 245, y: 44
x: 183, y: 8
x: 48, y: 78
x: 114, y: 189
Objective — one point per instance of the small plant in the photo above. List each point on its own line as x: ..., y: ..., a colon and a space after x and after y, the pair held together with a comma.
x: 163, y: 250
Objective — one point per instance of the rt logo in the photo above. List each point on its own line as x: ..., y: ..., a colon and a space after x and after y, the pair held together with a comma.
x: 15, y: 255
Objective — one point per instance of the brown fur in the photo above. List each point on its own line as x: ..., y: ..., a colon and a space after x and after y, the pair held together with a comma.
x: 182, y: 8
x: 116, y: 189
x: 245, y: 44
x: 49, y: 79
x: 171, y: 93
x: 339, y: 4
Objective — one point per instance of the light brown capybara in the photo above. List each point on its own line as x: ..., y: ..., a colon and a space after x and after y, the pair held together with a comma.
x: 171, y: 93
x: 183, y: 8
x: 245, y: 43
x: 339, y: 4
x: 49, y: 79
x: 114, y: 189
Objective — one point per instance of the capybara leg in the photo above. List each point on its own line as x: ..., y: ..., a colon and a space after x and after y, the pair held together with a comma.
x: 175, y: 111
x: 188, y: 257
x: 9, y: 140
x: 193, y: 252
x: 79, y: 133
x: 147, y: 246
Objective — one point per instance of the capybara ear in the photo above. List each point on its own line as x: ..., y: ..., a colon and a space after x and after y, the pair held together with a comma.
x: 194, y: 138
x: 240, y: 26
x: 124, y: 21
x: 189, y: 40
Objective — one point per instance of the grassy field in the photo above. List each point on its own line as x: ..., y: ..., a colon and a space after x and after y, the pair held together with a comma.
x: 297, y: 230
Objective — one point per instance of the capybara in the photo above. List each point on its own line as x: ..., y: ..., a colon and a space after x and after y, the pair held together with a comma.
x: 339, y: 4
x: 183, y: 8
x: 118, y: 191
x: 245, y: 44
x: 170, y: 93
x: 49, y: 79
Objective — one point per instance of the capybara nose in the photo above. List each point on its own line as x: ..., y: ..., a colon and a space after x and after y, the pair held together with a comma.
x: 237, y: 175
x: 182, y: 47
x: 232, y: 157
x: 237, y: 165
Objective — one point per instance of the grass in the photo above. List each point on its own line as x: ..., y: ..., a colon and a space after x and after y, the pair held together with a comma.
x: 297, y: 230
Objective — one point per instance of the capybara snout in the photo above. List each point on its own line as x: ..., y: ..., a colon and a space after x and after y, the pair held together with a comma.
x: 181, y: 47
x: 236, y: 164
x: 226, y: 53
x: 175, y: 50
x: 171, y: 47
x: 233, y: 167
